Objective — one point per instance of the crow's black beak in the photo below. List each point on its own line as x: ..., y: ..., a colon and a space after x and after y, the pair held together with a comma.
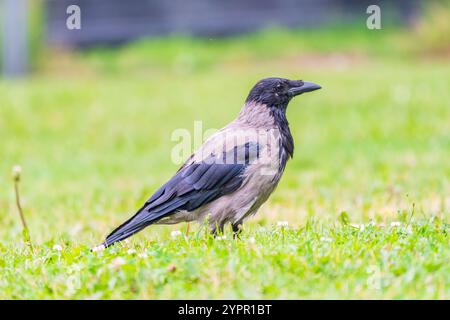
x: 306, y: 87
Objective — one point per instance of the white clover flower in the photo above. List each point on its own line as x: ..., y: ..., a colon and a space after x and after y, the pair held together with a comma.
x: 396, y: 224
x: 221, y: 237
x: 16, y: 171
x: 142, y: 255
x: 98, y: 248
x: 57, y: 247
x: 74, y: 268
x: 361, y: 226
x: 282, y: 223
x: 72, y: 283
x: 117, y: 262
x: 251, y: 240
x: 175, y: 234
x: 131, y: 251
x: 326, y: 239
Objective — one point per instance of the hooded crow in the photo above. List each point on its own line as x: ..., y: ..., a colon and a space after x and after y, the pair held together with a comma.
x: 234, y: 171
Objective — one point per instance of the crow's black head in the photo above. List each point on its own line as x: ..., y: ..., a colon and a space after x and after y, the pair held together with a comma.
x: 279, y: 91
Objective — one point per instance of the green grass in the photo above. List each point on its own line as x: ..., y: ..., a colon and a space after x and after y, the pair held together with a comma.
x: 314, y: 261
x: 94, y: 141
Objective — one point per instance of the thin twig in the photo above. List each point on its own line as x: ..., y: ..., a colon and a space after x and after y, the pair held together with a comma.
x: 19, y: 207
x: 187, y: 230
x: 16, y: 176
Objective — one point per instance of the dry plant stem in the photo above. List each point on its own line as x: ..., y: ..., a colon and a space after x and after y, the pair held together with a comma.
x: 22, y: 217
x: 187, y: 229
x: 19, y: 207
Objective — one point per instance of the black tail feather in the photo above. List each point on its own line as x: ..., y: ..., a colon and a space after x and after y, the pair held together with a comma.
x: 190, y: 188
x: 136, y: 223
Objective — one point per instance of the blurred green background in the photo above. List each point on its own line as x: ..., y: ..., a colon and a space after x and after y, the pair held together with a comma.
x: 92, y: 128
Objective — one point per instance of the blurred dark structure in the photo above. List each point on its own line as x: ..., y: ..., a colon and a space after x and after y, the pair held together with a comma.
x: 14, y: 37
x: 118, y: 21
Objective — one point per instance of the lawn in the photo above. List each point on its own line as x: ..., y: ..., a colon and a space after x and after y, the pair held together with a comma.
x: 361, y: 212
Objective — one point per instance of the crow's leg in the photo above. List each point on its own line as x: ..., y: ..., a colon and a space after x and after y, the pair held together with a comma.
x: 217, y: 229
x: 237, y: 229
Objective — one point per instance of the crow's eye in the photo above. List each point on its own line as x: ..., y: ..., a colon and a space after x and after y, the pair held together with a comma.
x: 278, y: 87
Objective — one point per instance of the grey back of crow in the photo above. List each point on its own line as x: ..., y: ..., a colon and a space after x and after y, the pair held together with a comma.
x: 235, y: 170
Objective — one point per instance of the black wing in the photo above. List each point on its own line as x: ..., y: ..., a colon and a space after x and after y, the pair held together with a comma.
x: 192, y: 186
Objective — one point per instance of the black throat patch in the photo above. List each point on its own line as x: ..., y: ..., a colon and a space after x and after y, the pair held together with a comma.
x: 287, y: 141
